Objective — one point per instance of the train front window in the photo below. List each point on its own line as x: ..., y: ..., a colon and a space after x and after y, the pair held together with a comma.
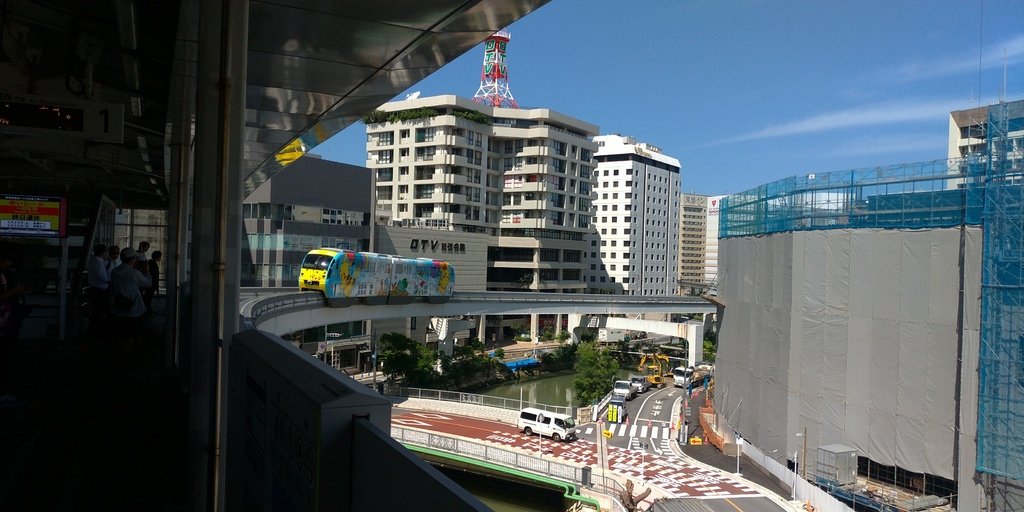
x: 316, y: 261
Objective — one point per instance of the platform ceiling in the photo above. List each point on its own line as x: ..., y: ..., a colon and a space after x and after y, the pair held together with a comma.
x: 314, y: 68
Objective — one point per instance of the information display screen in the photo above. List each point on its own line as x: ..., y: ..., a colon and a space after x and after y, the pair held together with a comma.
x: 33, y: 216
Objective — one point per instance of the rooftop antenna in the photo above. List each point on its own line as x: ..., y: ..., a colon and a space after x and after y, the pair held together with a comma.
x: 494, y: 89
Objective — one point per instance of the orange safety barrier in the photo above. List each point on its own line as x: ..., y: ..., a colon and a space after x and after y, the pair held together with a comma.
x: 707, y: 415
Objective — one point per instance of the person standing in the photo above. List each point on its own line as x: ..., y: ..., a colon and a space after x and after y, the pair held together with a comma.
x: 97, y: 275
x: 154, y: 276
x: 140, y: 253
x: 126, y: 284
x: 113, y: 258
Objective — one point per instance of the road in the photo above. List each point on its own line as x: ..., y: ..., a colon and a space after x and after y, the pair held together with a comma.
x: 672, y: 474
x: 650, y: 415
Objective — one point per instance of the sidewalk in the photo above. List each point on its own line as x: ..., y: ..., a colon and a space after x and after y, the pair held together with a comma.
x: 708, y: 456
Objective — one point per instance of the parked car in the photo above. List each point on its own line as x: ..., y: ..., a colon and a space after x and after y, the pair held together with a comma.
x: 624, y: 389
x: 560, y: 427
x: 640, y: 383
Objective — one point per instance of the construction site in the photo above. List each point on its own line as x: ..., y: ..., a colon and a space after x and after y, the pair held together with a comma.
x: 873, y: 330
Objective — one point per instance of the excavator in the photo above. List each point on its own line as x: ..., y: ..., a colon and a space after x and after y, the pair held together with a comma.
x: 654, y: 367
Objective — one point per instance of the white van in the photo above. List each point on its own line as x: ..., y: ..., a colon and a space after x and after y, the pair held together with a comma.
x: 557, y: 426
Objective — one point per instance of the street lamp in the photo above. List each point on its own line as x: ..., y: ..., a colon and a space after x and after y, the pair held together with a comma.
x: 803, y: 462
x: 793, y: 490
x: 739, y: 450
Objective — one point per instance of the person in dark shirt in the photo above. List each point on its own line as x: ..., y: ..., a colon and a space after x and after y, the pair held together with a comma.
x: 154, y: 276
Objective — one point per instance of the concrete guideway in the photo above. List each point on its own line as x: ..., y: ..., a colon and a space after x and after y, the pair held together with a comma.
x: 669, y: 475
x: 288, y: 311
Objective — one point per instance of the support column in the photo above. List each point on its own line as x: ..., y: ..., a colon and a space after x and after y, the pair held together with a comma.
x: 216, y: 220
x: 575, y: 322
x: 481, y: 329
x: 558, y: 324
x: 535, y: 328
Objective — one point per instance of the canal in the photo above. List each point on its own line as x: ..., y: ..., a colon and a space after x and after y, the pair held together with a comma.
x: 550, y: 389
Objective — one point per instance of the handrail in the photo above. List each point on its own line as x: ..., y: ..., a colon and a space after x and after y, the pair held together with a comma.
x: 513, y: 404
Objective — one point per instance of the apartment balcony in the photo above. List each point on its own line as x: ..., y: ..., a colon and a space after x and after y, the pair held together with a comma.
x: 535, y: 151
x: 443, y: 198
x: 450, y: 159
x: 536, y: 186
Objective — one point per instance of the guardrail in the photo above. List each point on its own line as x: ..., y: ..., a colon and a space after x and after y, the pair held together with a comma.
x: 258, y: 307
x: 512, y: 459
x: 512, y: 404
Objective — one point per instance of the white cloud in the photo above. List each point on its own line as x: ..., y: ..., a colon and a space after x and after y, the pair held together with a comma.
x: 991, y: 58
x: 886, y: 113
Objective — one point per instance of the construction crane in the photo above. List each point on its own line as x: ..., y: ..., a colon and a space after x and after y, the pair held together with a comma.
x: 654, y: 366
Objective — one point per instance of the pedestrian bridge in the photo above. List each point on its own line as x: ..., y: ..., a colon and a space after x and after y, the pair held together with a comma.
x: 280, y: 312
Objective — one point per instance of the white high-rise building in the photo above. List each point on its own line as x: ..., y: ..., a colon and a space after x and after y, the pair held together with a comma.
x: 711, y: 247
x: 636, y: 213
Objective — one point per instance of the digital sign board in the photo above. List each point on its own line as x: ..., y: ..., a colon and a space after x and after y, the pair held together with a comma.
x: 33, y: 216
x: 26, y: 114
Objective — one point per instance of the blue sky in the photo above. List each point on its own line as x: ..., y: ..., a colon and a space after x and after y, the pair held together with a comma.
x: 745, y: 92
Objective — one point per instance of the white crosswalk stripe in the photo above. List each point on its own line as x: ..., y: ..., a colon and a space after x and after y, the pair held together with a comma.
x: 634, y: 431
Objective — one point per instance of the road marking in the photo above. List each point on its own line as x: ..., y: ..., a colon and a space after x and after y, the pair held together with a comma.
x: 430, y: 415
x: 733, y: 505
x: 654, y: 432
x: 622, y: 429
x: 414, y: 423
x: 643, y: 431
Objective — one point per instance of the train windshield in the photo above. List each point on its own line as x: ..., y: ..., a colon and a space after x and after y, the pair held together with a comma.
x: 316, y: 261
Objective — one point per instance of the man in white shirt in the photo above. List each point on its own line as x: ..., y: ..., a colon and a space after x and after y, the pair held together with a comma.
x: 126, y: 280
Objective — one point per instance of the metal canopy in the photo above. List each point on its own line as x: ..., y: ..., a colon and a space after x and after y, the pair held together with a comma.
x: 314, y: 68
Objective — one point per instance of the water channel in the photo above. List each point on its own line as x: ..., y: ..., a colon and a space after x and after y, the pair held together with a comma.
x: 551, y: 389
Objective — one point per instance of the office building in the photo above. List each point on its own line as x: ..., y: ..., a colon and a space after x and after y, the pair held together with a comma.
x: 317, y: 203
x: 692, y: 241
x: 636, y: 215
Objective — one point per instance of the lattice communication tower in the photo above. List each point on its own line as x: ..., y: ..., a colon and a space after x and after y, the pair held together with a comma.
x: 494, y: 89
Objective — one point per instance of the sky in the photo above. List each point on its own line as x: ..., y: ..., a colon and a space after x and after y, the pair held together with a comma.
x: 745, y: 92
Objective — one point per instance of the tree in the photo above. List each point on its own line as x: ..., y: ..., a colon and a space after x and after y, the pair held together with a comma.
x: 404, y: 358
x: 595, y: 373
x: 710, y: 346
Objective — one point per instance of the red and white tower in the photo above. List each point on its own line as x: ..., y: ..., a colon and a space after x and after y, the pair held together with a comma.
x: 494, y: 89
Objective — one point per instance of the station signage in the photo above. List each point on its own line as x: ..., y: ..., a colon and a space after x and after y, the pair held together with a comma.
x: 33, y: 216
x: 425, y: 245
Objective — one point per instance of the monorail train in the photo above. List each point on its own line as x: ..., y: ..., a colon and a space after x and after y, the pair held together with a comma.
x: 346, y: 277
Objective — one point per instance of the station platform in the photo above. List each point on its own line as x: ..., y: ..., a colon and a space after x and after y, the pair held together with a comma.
x: 91, y: 433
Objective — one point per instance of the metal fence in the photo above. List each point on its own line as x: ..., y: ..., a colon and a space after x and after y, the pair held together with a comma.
x: 511, y: 459
x: 513, y: 404
x: 804, y: 490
